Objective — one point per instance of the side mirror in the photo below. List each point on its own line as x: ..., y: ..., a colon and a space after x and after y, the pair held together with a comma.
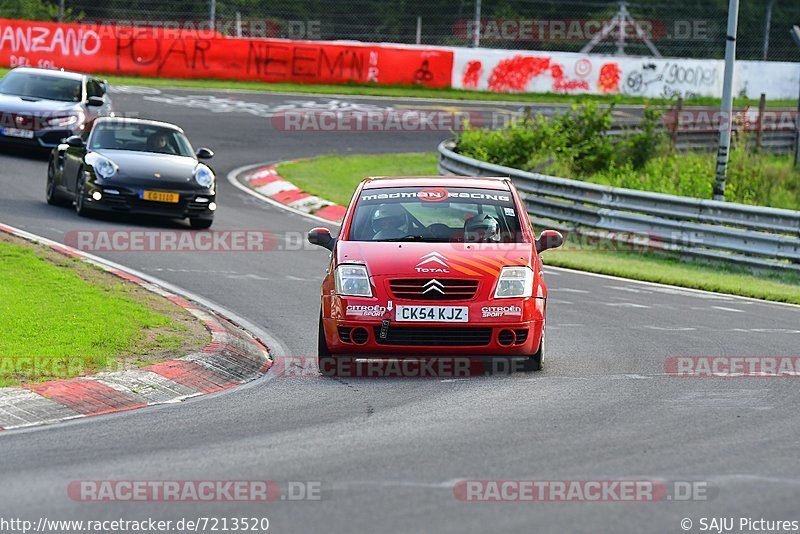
x: 74, y: 141
x: 321, y: 237
x: 204, y: 153
x: 95, y: 101
x: 549, y: 239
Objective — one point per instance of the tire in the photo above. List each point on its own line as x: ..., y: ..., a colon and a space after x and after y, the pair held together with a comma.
x: 534, y: 362
x: 51, y: 192
x: 201, y: 224
x: 80, y: 195
x: 326, y: 363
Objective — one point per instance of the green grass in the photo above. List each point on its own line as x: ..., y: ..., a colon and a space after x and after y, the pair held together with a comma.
x: 400, y: 91
x: 335, y: 177
x: 49, y: 311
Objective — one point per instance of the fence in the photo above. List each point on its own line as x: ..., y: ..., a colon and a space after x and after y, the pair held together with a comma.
x: 751, y: 236
x: 672, y: 29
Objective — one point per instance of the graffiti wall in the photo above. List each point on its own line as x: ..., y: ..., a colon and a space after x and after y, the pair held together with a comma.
x: 561, y: 72
x: 177, y: 53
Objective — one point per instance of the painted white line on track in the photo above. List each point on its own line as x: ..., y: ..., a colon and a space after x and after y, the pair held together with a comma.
x: 723, y: 308
x: 236, y: 183
x: 673, y: 329
x: 625, y: 305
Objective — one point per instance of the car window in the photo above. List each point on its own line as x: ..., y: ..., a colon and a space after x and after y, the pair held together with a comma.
x: 41, y: 86
x: 140, y: 138
x: 436, y: 214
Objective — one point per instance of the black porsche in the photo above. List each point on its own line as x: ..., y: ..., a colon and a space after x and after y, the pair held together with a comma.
x: 134, y: 166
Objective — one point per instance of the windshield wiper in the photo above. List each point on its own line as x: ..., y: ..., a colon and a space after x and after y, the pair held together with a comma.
x: 409, y: 237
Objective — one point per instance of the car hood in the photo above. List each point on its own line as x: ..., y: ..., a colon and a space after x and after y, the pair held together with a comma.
x: 16, y: 104
x: 434, y: 259
x: 146, y: 165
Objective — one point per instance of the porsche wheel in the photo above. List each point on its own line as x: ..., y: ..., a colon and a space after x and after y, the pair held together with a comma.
x: 80, y: 195
x: 51, y: 191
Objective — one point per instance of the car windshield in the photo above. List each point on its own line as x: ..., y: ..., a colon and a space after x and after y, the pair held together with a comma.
x: 140, y: 138
x: 41, y: 86
x: 436, y: 214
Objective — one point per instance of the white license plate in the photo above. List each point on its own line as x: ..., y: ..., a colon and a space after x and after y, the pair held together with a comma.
x: 18, y: 132
x: 439, y: 314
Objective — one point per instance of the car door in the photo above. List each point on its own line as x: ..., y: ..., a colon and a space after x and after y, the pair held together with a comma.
x: 73, y: 159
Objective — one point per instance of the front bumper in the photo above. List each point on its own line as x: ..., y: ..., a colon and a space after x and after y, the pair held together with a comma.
x: 46, y: 138
x: 484, y: 334
x: 194, y: 204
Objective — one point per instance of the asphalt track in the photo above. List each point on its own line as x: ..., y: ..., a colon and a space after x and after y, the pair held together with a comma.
x: 388, y: 451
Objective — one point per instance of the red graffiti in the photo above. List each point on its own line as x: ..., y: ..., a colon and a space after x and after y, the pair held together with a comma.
x: 560, y: 83
x: 608, y: 81
x: 472, y: 74
x: 513, y: 74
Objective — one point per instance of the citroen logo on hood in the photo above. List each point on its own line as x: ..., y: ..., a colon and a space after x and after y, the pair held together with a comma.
x: 433, y: 262
x: 433, y: 285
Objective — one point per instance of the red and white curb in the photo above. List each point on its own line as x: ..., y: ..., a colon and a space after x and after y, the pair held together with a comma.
x: 232, y: 357
x: 265, y: 180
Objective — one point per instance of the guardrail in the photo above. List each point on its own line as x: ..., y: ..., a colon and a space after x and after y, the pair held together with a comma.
x: 752, y: 236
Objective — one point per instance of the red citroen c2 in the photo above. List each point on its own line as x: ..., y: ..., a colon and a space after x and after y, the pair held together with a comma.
x: 434, y: 266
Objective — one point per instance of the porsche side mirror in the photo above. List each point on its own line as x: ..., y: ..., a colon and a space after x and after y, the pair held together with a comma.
x: 549, y: 239
x: 95, y: 101
x: 74, y: 141
x: 321, y: 237
x: 204, y: 153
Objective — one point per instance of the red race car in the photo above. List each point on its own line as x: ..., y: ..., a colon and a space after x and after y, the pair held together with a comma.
x: 434, y: 266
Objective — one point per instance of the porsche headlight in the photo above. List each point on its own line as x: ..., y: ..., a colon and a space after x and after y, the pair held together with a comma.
x: 514, y: 282
x: 353, y: 280
x: 203, y: 175
x: 103, y: 167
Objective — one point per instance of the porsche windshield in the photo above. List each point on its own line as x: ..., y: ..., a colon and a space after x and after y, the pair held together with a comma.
x: 436, y: 214
x: 140, y: 138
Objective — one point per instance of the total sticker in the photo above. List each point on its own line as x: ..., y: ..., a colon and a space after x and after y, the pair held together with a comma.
x: 509, y: 212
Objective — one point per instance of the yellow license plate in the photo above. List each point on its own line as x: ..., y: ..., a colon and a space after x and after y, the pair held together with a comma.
x: 159, y: 196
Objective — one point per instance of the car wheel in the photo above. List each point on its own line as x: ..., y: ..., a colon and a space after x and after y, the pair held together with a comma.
x: 325, y: 360
x: 534, y: 363
x: 201, y: 224
x: 51, y: 192
x: 80, y: 195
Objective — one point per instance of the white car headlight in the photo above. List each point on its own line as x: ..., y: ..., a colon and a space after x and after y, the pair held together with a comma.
x: 514, y: 282
x: 353, y: 280
x: 103, y: 167
x: 203, y: 175
x: 65, y: 120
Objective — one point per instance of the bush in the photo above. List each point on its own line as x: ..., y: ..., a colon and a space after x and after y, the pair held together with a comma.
x: 574, y: 145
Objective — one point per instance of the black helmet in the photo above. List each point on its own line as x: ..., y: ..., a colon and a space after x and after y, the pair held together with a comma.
x: 482, y: 229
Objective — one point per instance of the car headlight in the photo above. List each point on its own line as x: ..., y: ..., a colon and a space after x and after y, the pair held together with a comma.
x: 64, y: 120
x: 103, y: 167
x: 353, y: 280
x: 514, y: 282
x: 203, y: 175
